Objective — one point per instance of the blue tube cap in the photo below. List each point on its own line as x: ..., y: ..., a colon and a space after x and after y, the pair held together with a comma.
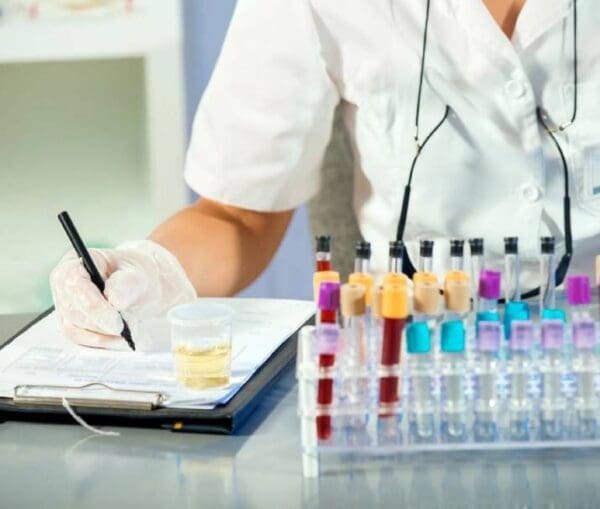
x: 554, y: 314
x: 418, y: 338
x: 515, y: 311
x: 488, y: 316
x: 453, y: 336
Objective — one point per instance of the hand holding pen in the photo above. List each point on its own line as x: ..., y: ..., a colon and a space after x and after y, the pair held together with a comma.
x: 141, y: 278
x: 91, y: 269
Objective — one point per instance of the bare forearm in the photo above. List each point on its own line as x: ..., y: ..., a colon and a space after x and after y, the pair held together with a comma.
x: 222, y: 249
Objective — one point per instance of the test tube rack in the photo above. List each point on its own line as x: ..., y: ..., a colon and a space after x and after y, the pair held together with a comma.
x: 365, y: 431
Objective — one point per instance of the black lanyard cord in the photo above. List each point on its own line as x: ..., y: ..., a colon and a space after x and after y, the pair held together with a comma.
x: 561, y: 271
x: 419, y: 146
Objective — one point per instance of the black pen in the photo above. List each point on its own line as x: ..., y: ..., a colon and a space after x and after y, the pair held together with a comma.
x: 90, y: 266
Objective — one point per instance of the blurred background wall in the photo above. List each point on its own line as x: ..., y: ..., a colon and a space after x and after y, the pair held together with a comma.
x: 205, y: 26
x: 96, y: 112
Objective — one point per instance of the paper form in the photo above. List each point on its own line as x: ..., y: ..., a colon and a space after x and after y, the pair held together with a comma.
x: 41, y: 356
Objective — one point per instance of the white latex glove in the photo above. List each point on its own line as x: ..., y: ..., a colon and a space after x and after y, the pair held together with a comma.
x: 142, y: 279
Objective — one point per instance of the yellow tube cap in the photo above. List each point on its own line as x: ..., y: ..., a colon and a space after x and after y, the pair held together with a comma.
x: 457, y: 291
x: 426, y: 293
x: 361, y: 278
x: 353, y: 300
x: 394, y: 301
x: 393, y: 278
x: 326, y: 276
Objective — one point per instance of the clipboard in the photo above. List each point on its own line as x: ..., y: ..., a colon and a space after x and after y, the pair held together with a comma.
x: 30, y: 404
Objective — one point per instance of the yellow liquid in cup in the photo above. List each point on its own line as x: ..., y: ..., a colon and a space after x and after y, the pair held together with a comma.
x: 203, y: 367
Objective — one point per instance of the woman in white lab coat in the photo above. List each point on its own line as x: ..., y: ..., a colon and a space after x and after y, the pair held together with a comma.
x: 490, y: 170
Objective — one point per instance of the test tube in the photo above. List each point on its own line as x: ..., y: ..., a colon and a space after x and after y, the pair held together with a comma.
x: 362, y: 258
x: 326, y: 276
x: 585, y: 368
x: 579, y: 298
x: 453, y: 381
x: 521, y: 377
x: 323, y: 253
x: 426, y: 256
x: 553, y: 369
x: 396, y: 255
x: 487, y: 370
x: 426, y: 299
x: 362, y: 276
x: 376, y: 325
x: 477, y: 265
x: 327, y: 337
x: 547, y: 274
x: 355, y: 352
x: 598, y: 275
x: 457, y: 253
x: 489, y: 290
x: 395, y: 313
x: 512, y: 270
x: 457, y: 295
x: 420, y: 382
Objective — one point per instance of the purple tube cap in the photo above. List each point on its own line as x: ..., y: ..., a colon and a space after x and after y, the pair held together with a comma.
x: 553, y: 334
x: 584, y: 334
x: 521, y: 335
x: 489, y: 284
x: 488, y: 336
x: 578, y: 290
x: 329, y: 296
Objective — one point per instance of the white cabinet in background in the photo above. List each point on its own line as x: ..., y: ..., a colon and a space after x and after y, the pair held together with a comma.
x: 91, y: 121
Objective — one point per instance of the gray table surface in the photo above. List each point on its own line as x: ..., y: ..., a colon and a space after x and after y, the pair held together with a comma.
x: 64, y: 466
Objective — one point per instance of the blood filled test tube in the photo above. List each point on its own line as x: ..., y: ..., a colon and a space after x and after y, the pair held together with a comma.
x: 327, y: 276
x: 426, y: 256
x: 323, y: 253
x: 457, y: 254
x: 328, y: 304
x: 396, y: 254
x: 395, y: 313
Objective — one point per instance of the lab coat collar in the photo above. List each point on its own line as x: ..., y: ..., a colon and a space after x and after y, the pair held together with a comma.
x: 536, y: 18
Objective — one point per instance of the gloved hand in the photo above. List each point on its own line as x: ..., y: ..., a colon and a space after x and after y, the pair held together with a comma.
x: 141, y: 278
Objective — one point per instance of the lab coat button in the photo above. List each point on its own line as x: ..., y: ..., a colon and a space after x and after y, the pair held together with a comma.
x: 531, y: 193
x: 515, y: 88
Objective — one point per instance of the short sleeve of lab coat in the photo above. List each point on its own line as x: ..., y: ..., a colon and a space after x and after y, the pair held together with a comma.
x: 265, y: 119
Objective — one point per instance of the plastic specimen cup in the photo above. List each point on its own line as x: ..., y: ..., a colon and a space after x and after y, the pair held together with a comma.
x: 201, y: 344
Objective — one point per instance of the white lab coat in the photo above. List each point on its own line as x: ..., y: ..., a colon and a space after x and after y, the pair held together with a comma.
x: 265, y: 120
